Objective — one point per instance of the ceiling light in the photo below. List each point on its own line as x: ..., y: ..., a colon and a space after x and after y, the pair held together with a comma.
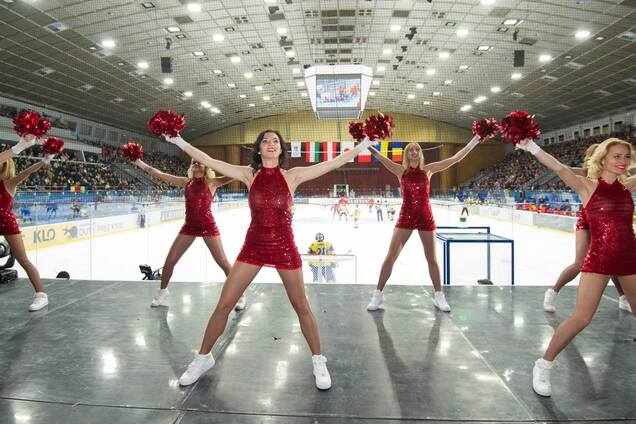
x: 281, y: 30
x: 410, y: 96
x: 198, y: 53
x: 371, y: 93
x: 376, y: 82
x: 387, y: 51
x: 218, y: 37
x: 444, y: 55
x: 463, y: 67
x: 395, y: 28
x: 187, y: 94
x: 266, y: 98
x: 148, y: 5
x: 466, y: 107
x: 289, y: 53
x: 495, y: 89
x: 235, y: 59
x: 300, y: 84
x: 462, y: 32
x: 448, y: 82
x: 242, y: 96
x: 270, y: 1
x: 258, y: 88
x: 502, y: 29
x: 436, y: 93
x: 251, y: 105
x: 430, y: 71
x: 142, y: 65
x: 217, y: 71
x: 168, y: 81
x: 304, y: 94
x: 248, y: 75
x: 581, y: 34
x: 480, y: 99
x: 381, y: 68
x: 545, y: 58
x: 231, y: 84
x: 194, y: 7
x: 487, y: 2
x: 419, y: 85
x: 426, y: 102
x: 205, y: 104
x: 215, y: 110
x: 511, y: 22
x: 108, y: 43
x: 173, y: 29
x: 295, y: 70
x: 180, y: 36
x: 484, y: 48
x: 600, y: 38
x: 516, y: 75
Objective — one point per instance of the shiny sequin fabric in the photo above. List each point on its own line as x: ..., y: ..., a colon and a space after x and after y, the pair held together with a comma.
x: 416, y: 213
x: 609, y: 215
x: 581, y: 223
x: 199, y: 221
x: 8, y: 223
x: 270, y: 240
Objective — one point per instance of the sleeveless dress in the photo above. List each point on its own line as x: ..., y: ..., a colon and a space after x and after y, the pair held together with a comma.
x: 581, y: 223
x: 610, y: 211
x: 8, y: 222
x: 416, y: 212
x: 199, y: 221
x: 269, y: 240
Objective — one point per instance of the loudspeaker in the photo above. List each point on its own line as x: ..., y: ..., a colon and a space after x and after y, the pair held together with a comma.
x: 520, y: 58
x: 166, y: 65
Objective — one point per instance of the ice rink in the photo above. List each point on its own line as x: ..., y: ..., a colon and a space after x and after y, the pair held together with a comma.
x: 540, y: 253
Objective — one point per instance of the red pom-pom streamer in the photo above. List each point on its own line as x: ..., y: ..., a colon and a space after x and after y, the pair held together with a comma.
x: 166, y: 122
x: 378, y: 126
x: 485, y: 128
x: 356, y: 129
x: 132, y: 151
x: 518, y: 125
x: 30, y: 123
x: 53, y: 146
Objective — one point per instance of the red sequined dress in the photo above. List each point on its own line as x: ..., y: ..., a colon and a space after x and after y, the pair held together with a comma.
x: 609, y: 215
x: 270, y: 240
x: 581, y: 223
x: 416, y: 213
x: 8, y: 223
x: 199, y: 221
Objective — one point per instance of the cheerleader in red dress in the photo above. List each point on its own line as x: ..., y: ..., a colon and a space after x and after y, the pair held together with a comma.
x: 199, y: 187
x: 606, y: 194
x: 582, y: 243
x: 415, y: 214
x: 269, y: 241
x: 9, y: 182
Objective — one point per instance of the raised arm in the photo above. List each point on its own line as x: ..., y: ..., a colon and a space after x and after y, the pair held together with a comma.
x: 447, y: 163
x: 569, y: 177
x: 630, y: 182
x: 221, y: 181
x: 24, y: 143
x: 578, y: 171
x: 236, y: 172
x: 394, y: 168
x: 169, y: 178
x: 301, y: 174
x: 12, y: 183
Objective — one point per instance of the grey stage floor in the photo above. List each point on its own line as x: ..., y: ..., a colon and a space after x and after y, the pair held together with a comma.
x: 100, y: 354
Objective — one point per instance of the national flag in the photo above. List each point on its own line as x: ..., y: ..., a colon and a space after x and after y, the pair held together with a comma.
x: 384, y: 150
x: 345, y: 146
x: 364, y: 156
x: 329, y: 150
x: 312, y: 151
x: 295, y: 149
x: 396, y: 151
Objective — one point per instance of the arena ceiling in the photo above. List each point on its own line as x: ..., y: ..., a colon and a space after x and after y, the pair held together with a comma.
x: 246, y: 57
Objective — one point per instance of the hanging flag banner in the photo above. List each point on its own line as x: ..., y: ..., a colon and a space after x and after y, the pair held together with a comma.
x: 295, y: 149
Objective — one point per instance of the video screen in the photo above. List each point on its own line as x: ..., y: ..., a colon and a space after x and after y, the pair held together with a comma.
x: 339, y: 92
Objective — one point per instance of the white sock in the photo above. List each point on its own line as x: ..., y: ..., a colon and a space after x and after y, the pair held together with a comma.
x: 545, y: 364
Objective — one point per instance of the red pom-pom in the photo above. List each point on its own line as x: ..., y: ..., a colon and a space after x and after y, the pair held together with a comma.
x: 518, y: 125
x: 132, y: 151
x: 356, y: 129
x: 53, y: 146
x: 166, y: 122
x: 485, y: 128
x: 30, y: 123
x: 378, y: 126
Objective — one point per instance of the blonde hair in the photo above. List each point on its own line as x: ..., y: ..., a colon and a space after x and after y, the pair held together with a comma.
x: 595, y: 165
x: 208, y: 173
x: 405, y: 158
x: 7, y: 169
x: 588, y: 154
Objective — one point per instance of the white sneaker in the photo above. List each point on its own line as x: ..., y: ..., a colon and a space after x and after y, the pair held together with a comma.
x: 376, y: 301
x: 549, y: 300
x: 541, y: 377
x: 196, y: 369
x: 161, y: 298
x: 440, y: 303
x: 323, y: 379
x: 623, y: 304
x: 241, y: 304
x: 40, y: 300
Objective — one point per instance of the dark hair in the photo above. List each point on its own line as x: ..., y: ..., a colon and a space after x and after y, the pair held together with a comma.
x: 257, y: 162
x: 63, y: 274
